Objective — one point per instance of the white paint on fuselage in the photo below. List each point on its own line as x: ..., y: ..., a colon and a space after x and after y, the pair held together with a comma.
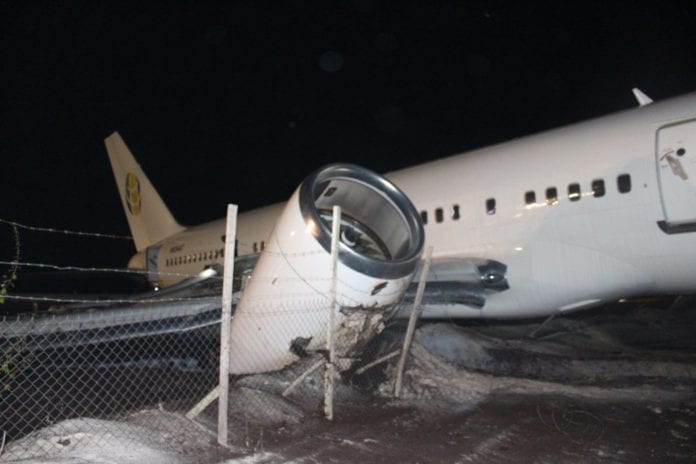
x: 557, y: 255
x: 568, y: 255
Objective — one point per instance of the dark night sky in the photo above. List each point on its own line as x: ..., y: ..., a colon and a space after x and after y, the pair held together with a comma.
x: 238, y: 102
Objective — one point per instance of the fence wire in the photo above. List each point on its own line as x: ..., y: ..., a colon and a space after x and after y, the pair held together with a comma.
x: 105, y: 364
x: 112, y: 362
x: 98, y: 361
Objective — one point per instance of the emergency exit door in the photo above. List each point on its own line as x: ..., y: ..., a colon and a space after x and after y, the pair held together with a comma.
x: 676, y: 166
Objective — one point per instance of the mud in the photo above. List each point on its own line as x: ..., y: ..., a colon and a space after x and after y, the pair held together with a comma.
x: 615, y: 386
x: 501, y: 429
x: 612, y: 385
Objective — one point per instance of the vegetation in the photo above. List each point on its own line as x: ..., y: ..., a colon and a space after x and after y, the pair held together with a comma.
x: 13, y: 360
x: 9, y: 279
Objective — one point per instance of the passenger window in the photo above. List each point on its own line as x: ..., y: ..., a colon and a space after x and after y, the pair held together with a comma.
x: 530, y: 197
x: 574, y: 192
x: 424, y: 217
x: 263, y: 245
x: 551, y: 196
x: 623, y: 182
x: 598, y: 189
x: 490, y: 206
x: 256, y: 247
x: 455, y: 212
x: 439, y: 215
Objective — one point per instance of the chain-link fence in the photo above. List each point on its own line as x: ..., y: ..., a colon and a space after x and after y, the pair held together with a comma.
x: 110, y: 362
x: 106, y: 362
x: 292, y: 325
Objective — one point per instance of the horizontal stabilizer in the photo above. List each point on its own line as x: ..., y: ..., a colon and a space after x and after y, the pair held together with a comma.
x: 641, y: 97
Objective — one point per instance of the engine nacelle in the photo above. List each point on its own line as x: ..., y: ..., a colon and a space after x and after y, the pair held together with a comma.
x: 284, y: 310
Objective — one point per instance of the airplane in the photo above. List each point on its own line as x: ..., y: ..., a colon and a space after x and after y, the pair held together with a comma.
x: 567, y: 219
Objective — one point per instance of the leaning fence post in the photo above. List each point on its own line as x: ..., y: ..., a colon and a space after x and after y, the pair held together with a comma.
x: 415, y: 312
x: 227, y: 282
x: 328, y: 379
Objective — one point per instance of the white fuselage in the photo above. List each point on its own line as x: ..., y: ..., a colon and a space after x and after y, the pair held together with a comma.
x: 578, y: 248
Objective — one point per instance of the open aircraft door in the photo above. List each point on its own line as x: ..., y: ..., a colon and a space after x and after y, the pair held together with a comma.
x: 676, y: 168
x: 152, y: 267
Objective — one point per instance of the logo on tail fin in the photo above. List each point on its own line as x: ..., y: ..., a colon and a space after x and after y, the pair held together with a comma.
x: 133, y: 193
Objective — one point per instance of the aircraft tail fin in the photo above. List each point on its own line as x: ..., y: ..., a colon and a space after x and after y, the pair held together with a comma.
x: 148, y: 217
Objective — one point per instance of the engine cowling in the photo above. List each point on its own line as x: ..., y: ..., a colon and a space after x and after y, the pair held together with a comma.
x: 284, y: 310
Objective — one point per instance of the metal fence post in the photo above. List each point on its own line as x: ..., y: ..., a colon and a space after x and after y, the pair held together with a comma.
x: 230, y: 239
x: 329, y: 374
x: 415, y: 312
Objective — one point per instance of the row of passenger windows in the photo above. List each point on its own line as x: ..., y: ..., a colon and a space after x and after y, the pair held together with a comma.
x: 259, y: 246
x: 598, y: 189
x: 208, y: 256
x: 196, y: 257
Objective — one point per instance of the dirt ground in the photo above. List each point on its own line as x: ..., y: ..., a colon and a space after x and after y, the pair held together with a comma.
x: 502, y: 429
x: 614, y: 385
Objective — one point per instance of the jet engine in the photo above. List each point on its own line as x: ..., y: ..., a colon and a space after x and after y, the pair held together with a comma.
x: 284, y: 310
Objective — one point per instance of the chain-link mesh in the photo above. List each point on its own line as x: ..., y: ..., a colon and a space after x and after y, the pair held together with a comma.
x: 106, y: 363
x: 110, y: 362
x: 288, y: 331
